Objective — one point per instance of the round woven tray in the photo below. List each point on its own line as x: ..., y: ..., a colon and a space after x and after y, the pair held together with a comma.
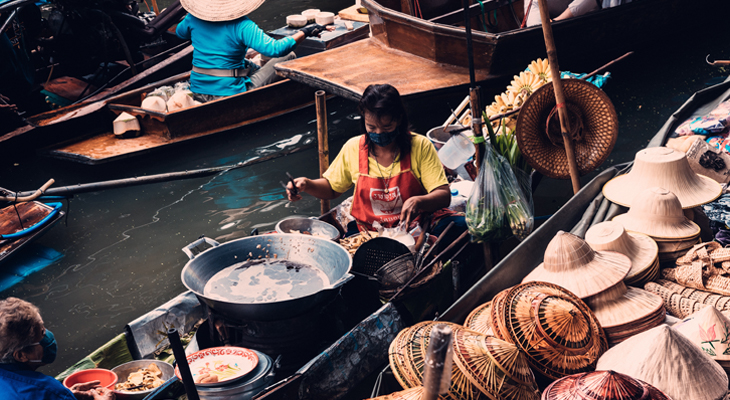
x: 593, y: 121
x: 479, y: 319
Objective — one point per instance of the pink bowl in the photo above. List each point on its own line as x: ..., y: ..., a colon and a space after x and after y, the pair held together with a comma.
x: 106, y: 377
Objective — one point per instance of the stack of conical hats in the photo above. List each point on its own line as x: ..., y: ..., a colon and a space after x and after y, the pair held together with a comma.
x: 479, y: 319
x: 552, y: 326
x: 658, y: 213
x: 709, y: 329
x: 669, y: 361
x: 484, y: 366
x: 602, y: 385
x: 666, y: 168
x: 571, y: 263
x: 641, y: 249
x: 625, y: 311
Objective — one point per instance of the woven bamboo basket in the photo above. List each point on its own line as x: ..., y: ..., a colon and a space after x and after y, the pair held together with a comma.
x: 676, y: 304
x: 662, y: 167
x: 494, y: 366
x: 414, y: 393
x: 571, y: 263
x: 665, y: 359
x: 601, y: 385
x: 593, y: 121
x: 701, y: 280
x: 559, y: 333
x: 641, y: 249
x: 497, y: 320
x: 479, y: 319
x: 720, y: 302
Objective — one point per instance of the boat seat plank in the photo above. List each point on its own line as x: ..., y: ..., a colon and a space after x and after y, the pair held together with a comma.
x: 332, y: 70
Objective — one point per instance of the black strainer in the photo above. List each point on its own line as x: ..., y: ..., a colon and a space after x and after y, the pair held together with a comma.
x: 375, y: 253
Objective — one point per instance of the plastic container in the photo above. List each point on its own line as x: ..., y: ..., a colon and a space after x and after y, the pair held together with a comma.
x: 296, y: 21
x: 311, y: 14
x: 457, y: 151
x: 106, y: 377
x: 458, y: 201
x: 324, y: 18
x: 440, y: 135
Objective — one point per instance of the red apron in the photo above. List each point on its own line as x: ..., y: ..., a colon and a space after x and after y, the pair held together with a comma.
x: 370, y: 201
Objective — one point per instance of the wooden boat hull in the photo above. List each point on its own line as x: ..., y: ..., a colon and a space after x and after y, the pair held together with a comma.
x: 30, y: 213
x: 581, y: 42
x: 163, y: 129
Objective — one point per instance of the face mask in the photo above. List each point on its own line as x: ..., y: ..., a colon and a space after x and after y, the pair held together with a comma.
x: 384, y: 138
x: 49, y: 348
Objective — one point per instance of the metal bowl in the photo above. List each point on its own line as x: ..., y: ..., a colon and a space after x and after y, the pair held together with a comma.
x: 313, y: 226
x: 125, y: 369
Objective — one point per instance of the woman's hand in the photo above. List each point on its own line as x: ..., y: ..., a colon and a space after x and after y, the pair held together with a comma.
x: 411, y: 209
x: 91, y: 391
x: 301, y: 187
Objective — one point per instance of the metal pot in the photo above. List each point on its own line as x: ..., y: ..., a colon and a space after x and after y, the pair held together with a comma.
x: 242, y: 389
x: 314, y: 226
x: 320, y: 253
x: 123, y: 371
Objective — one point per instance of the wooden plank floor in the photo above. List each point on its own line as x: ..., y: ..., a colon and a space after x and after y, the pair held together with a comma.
x: 348, y: 70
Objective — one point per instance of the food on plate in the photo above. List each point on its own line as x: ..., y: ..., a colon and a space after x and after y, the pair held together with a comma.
x: 143, y: 379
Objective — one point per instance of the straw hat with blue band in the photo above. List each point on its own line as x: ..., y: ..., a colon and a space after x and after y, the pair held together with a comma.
x: 220, y: 10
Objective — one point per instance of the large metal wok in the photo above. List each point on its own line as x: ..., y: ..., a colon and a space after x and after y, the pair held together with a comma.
x: 324, y: 254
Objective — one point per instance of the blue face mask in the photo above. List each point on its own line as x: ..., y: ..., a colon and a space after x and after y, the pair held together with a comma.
x: 49, y: 348
x: 383, y: 138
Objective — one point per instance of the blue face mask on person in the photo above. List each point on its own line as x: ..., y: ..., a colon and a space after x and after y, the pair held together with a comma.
x: 383, y: 138
x: 50, y: 348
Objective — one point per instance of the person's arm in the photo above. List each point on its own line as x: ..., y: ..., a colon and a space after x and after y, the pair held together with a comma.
x: 319, y: 188
x: 183, y: 29
x: 577, y: 8
x: 565, y: 15
x: 438, y: 198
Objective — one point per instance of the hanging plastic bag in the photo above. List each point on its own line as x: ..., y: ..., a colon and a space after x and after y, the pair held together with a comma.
x: 497, y: 207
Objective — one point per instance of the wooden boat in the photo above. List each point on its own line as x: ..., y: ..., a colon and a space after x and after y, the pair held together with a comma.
x: 163, y: 129
x: 420, y: 55
x: 30, y: 213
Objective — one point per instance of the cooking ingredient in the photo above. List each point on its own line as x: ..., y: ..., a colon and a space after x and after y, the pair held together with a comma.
x: 206, y: 378
x: 352, y: 243
x: 126, y: 125
x: 144, y: 379
x: 180, y: 100
x: 265, y: 281
x: 154, y: 103
x: 315, y: 234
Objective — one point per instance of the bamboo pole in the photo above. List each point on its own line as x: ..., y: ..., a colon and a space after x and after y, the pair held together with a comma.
x: 552, y: 54
x: 323, y: 141
x: 437, y: 368
x: 476, y: 125
x: 155, y: 7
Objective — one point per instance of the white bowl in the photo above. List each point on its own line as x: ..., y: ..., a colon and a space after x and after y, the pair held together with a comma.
x: 325, y: 18
x: 296, y: 21
x: 310, y: 14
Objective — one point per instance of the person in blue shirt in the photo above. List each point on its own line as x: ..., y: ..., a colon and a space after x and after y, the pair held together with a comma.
x: 222, y: 35
x: 26, y: 345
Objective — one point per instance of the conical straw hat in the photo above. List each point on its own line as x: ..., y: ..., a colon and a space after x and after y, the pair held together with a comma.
x: 625, y: 311
x: 641, y: 249
x: 414, y: 393
x: 479, y: 319
x: 220, y: 10
x: 664, y: 358
x: 557, y: 330
x: 571, y: 263
x: 657, y: 213
x: 709, y: 329
x: 601, y: 385
x: 494, y: 366
x: 662, y: 167
x: 496, y: 320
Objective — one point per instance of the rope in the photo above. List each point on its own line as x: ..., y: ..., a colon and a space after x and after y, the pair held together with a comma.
x: 484, y: 26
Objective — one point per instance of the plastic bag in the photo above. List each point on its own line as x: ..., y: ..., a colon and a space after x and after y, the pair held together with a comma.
x: 497, y: 207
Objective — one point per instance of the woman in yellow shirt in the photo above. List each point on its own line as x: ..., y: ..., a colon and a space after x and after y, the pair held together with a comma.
x: 397, y: 174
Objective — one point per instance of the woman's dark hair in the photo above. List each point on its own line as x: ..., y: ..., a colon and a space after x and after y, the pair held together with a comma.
x: 384, y: 101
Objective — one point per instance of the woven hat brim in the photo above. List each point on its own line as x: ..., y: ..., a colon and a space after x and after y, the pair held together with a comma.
x: 646, y: 253
x: 636, y: 304
x: 220, y: 10
x: 605, y: 270
x: 663, y: 230
x: 601, y: 129
x: 623, y: 189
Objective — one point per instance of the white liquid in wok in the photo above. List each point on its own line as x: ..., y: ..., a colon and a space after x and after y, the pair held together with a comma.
x: 265, y: 281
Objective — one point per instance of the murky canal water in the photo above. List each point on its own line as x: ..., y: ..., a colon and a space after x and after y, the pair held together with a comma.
x: 119, y: 255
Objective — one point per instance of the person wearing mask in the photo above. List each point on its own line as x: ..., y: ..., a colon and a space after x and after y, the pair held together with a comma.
x: 559, y: 9
x: 397, y: 174
x: 26, y: 345
x: 222, y: 35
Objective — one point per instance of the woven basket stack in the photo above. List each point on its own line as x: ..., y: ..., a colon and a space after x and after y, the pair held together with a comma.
x: 602, y: 385
x: 483, y: 367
